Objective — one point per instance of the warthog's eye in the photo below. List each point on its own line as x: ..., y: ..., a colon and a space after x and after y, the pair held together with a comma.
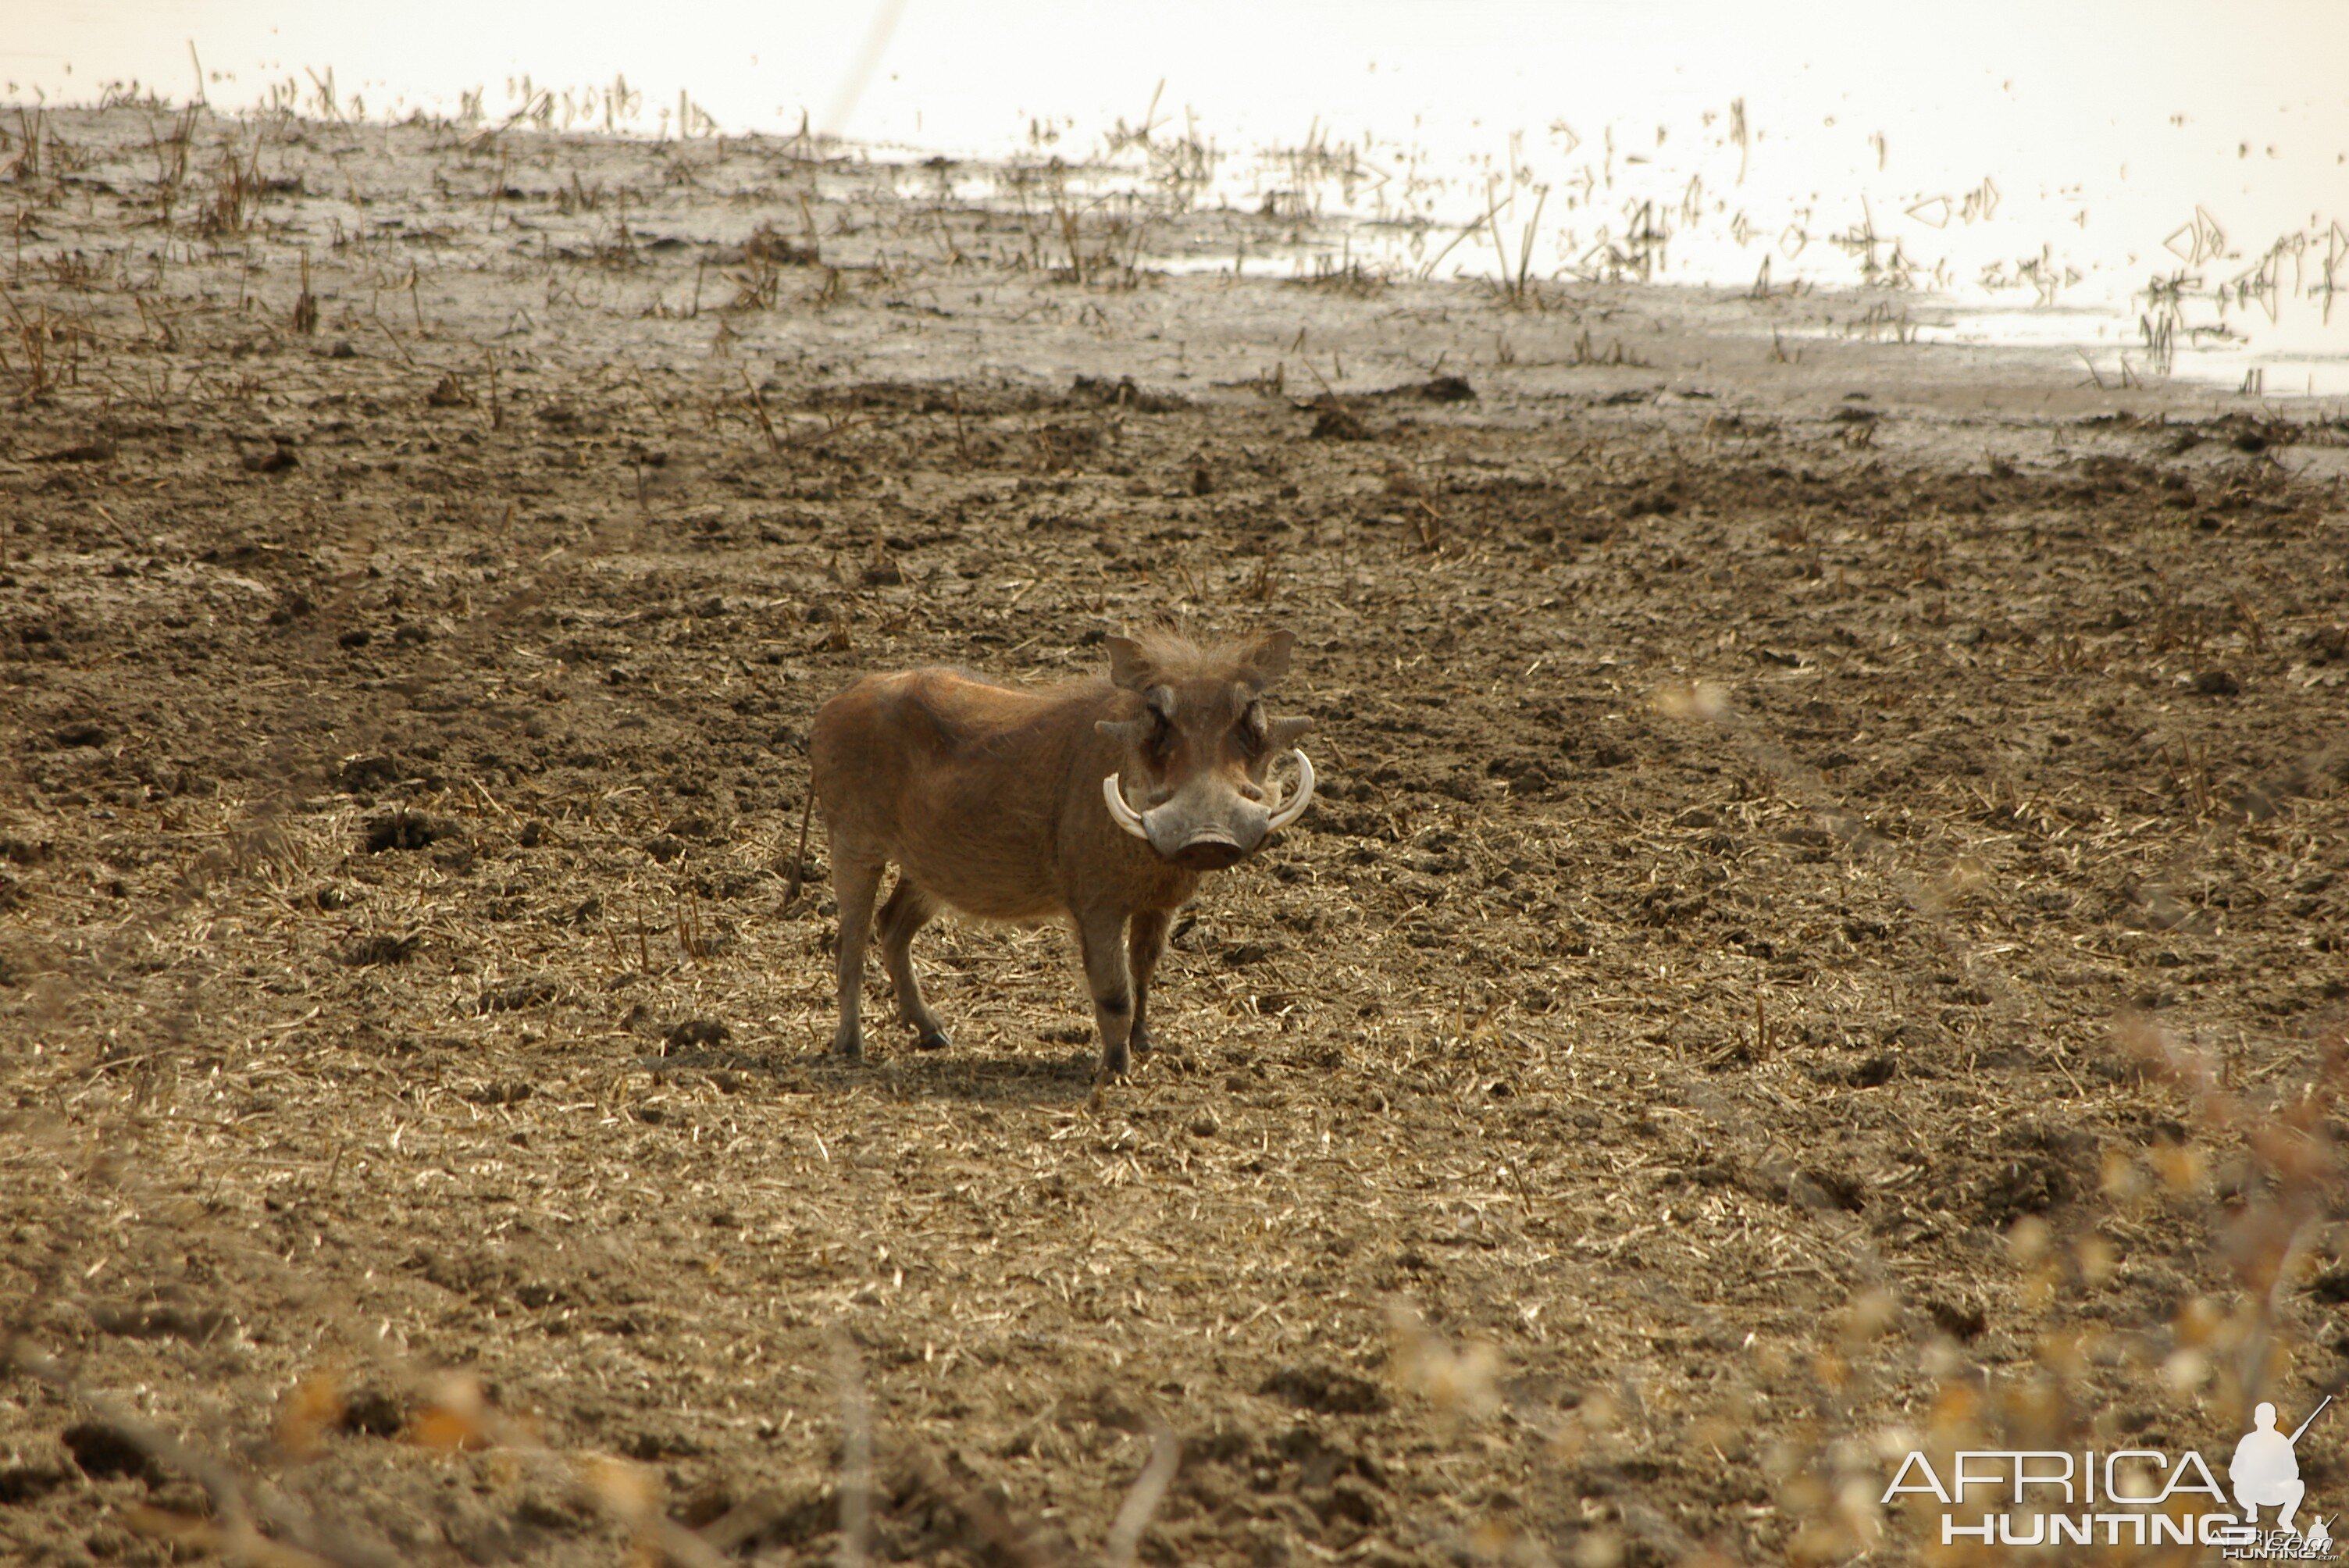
x: 1158, y: 712
x: 1248, y: 734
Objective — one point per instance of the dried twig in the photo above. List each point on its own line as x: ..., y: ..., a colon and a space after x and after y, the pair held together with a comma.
x: 1142, y: 1501
x: 855, y: 1453
x: 799, y: 856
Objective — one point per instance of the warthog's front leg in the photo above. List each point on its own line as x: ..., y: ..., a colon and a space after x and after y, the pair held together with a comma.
x: 855, y: 882
x: 1101, y: 933
x: 1145, y: 941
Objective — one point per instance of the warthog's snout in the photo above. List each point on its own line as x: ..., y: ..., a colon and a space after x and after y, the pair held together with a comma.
x: 1210, y: 853
x: 1211, y: 825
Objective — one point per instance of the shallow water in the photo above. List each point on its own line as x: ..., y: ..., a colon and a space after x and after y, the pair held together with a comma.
x: 2162, y: 193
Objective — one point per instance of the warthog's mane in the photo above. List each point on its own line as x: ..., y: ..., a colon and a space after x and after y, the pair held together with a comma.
x: 1169, y: 655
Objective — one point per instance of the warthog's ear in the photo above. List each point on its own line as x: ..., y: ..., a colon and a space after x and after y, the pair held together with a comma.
x: 1267, y: 659
x: 1128, y: 665
x: 1283, y: 733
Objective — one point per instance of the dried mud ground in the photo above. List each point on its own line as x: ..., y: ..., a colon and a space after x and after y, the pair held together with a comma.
x: 1683, y: 1059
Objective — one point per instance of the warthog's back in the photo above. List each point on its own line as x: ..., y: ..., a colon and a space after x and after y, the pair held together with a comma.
x: 961, y: 782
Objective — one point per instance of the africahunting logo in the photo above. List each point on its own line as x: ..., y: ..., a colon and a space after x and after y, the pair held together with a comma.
x: 2130, y: 1497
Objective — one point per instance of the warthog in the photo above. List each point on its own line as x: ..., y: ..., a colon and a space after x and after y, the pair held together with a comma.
x: 1103, y: 801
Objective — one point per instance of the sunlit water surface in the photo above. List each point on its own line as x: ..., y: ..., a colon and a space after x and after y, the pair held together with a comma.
x: 2155, y: 187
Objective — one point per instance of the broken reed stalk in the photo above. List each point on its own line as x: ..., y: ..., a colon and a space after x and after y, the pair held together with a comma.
x: 692, y: 928
x: 1526, y: 248
x: 37, y: 380
x: 1072, y: 235
x: 306, y: 304
x: 759, y: 407
x: 1473, y: 225
x: 384, y: 327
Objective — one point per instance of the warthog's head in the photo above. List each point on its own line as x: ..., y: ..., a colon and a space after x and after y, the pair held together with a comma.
x: 1196, y: 785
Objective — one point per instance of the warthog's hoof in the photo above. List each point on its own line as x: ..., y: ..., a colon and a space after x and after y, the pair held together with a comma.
x: 1140, y: 1043
x: 1116, y: 1062
x: 848, y: 1047
x: 935, y: 1040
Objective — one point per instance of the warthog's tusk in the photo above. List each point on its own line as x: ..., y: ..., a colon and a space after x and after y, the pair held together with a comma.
x: 1123, y: 814
x: 1295, y: 806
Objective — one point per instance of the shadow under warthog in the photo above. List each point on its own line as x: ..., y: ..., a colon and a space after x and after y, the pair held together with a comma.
x: 980, y: 1079
x: 1015, y: 1080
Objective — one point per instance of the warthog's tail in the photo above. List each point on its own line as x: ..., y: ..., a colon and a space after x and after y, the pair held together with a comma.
x: 799, y: 856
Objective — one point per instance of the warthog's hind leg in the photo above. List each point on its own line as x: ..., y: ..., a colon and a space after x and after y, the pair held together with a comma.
x: 1145, y: 941
x: 909, y: 909
x: 1101, y: 933
x: 855, y: 882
